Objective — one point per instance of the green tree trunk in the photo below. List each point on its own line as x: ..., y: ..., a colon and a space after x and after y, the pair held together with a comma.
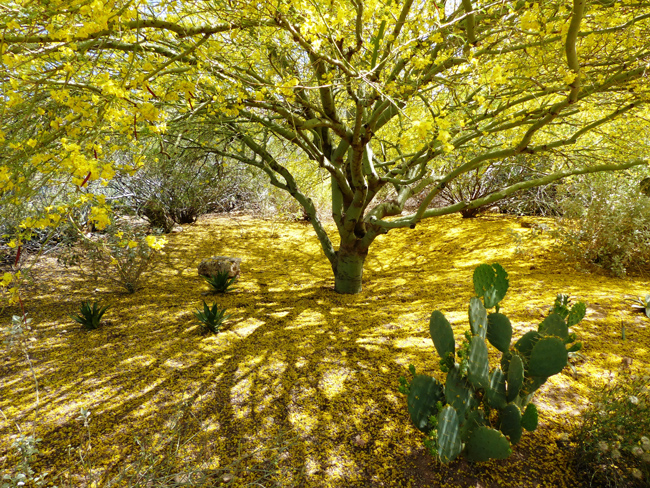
x: 349, y: 270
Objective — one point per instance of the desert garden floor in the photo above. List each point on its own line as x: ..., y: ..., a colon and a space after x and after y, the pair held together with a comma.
x: 300, y: 388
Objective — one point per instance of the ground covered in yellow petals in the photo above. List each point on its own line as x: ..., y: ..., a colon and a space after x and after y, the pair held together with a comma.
x: 300, y: 388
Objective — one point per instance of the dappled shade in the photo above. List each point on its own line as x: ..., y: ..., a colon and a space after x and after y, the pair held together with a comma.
x: 297, y: 363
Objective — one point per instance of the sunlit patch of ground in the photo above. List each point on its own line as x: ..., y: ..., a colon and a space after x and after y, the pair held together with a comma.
x: 297, y: 365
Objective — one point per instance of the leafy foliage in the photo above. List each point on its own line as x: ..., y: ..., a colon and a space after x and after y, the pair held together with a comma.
x: 121, y: 254
x: 90, y: 316
x: 613, y: 439
x: 479, y: 412
x: 184, y: 183
x: 211, y: 318
x: 606, y: 222
x: 220, y: 282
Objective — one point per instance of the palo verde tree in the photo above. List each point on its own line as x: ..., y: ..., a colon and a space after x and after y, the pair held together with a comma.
x: 391, y: 98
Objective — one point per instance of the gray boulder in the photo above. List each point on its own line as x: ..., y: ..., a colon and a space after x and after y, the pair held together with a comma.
x: 218, y: 264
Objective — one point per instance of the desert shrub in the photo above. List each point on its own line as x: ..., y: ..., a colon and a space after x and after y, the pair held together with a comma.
x: 613, y: 438
x: 540, y: 201
x: 182, y: 184
x: 484, y: 181
x: 605, y: 222
x: 121, y: 254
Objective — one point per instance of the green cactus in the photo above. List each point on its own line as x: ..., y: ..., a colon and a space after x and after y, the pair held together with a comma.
x: 496, y: 394
x: 478, y: 363
x: 478, y: 320
x: 524, y: 346
x: 449, y: 444
x: 425, y: 392
x: 510, y: 422
x: 515, y: 377
x: 554, y: 325
x: 459, y: 393
x: 573, y: 314
x: 548, y: 357
x: 443, y: 336
x: 530, y: 417
x: 473, y: 421
x: 499, y: 331
x: 490, y: 283
x: 462, y: 416
x: 485, y: 444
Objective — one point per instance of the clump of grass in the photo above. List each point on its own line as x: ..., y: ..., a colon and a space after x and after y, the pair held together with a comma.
x: 613, y: 440
x: 211, y: 318
x: 220, y: 282
x: 90, y: 315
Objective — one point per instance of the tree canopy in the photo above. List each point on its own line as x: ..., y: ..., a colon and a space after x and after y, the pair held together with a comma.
x: 392, y: 100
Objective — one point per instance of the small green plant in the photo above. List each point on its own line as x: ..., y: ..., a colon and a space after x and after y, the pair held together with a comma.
x: 480, y: 412
x: 119, y: 254
x: 613, y: 439
x: 220, y: 282
x: 211, y: 318
x: 90, y: 315
x: 642, y: 304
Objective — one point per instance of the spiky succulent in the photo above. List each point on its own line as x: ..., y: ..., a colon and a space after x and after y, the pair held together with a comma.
x: 90, y: 316
x: 211, y: 318
x: 479, y: 412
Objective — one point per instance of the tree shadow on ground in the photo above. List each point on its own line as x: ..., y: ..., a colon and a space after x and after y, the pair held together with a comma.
x: 296, y: 363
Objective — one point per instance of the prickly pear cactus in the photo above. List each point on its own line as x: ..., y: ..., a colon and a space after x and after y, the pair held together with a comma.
x: 479, y: 411
x: 425, y: 392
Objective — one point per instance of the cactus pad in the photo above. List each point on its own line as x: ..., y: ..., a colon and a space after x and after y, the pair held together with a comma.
x: 554, y: 325
x: 459, y: 393
x: 531, y: 384
x: 525, y: 345
x: 576, y: 314
x: 510, y: 423
x: 485, y: 444
x: 499, y: 331
x: 478, y: 364
x: 442, y: 335
x: 478, y: 319
x: 575, y: 347
x: 548, y: 357
x: 515, y: 377
x: 424, y: 393
x: 491, y: 283
x: 496, y: 394
x: 473, y: 421
x: 530, y: 417
x: 449, y: 445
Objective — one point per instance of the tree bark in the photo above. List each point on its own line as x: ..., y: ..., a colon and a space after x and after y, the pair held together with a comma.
x: 349, y: 270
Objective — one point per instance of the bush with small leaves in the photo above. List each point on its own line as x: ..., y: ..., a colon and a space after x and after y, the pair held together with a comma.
x: 90, y: 315
x: 613, y: 439
x: 211, y: 318
x: 605, y: 222
x: 478, y: 412
x: 121, y: 254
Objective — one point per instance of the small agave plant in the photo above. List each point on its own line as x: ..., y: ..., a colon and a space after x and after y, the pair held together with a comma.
x: 479, y: 412
x: 220, y: 282
x: 642, y: 304
x: 211, y: 318
x: 90, y: 315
